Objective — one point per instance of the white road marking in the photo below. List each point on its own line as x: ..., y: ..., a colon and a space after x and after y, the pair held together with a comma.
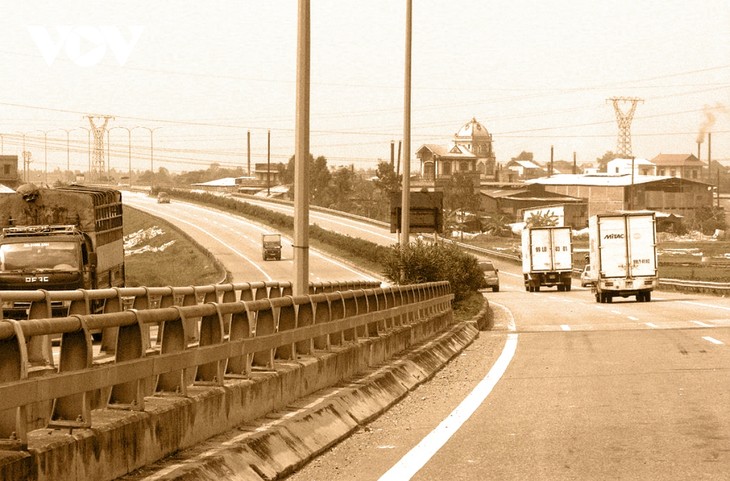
x: 706, y: 305
x: 417, y: 457
x: 632, y: 318
x: 651, y: 324
x: 701, y: 324
x: 614, y: 311
x: 565, y: 327
x: 712, y: 340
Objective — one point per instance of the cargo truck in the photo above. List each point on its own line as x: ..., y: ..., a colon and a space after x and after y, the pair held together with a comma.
x: 271, y: 246
x: 623, y: 255
x: 547, y: 257
x: 63, y: 238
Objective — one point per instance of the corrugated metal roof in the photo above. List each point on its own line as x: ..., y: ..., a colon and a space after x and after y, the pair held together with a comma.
x: 676, y: 159
x: 600, y: 180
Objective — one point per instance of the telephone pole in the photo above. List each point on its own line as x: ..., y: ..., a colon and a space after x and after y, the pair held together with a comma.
x: 624, y: 120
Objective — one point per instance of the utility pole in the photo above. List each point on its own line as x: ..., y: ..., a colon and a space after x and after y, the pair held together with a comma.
x: 268, y: 164
x: 624, y: 120
x: 405, y: 197
x: 98, y: 131
x: 575, y: 165
x: 248, y: 149
x: 300, y: 285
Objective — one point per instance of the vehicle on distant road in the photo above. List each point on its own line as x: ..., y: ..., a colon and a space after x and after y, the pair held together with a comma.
x: 491, y: 275
x: 586, y: 277
x: 163, y: 198
x: 271, y: 246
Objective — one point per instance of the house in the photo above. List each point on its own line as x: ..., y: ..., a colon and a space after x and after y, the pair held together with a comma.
x: 9, y: 170
x: 626, y: 166
x: 470, y: 153
x: 523, y: 169
x: 679, y: 165
x: 611, y: 192
x: 512, y: 200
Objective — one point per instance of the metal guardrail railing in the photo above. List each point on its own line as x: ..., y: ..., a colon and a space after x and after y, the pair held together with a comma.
x: 236, y: 335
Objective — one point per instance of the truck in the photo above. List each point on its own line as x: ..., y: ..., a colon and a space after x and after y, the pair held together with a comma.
x: 547, y: 257
x: 271, y: 246
x: 623, y: 255
x: 62, y: 238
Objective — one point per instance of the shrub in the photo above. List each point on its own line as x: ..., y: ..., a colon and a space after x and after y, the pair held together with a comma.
x: 422, y: 262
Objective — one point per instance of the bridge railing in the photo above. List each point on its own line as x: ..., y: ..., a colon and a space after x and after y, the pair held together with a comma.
x: 237, y: 334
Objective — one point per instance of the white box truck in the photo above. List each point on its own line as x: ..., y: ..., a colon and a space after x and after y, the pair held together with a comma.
x: 623, y: 255
x: 547, y: 257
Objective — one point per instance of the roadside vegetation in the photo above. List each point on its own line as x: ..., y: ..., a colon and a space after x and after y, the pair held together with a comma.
x: 157, y: 254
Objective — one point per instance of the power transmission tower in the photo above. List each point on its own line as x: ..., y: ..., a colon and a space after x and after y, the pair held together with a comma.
x: 97, y: 164
x: 624, y: 123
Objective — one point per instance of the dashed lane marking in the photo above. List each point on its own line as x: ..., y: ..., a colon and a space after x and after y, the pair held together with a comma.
x: 701, y: 324
x: 565, y: 327
x: 651, y: 324
x: 712, y: 340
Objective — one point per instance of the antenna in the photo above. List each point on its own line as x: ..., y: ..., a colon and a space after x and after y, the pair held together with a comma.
x: 624, y: 123
x: 97, y: 165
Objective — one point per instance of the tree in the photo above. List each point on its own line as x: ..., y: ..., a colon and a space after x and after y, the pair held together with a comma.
x: 319, y: 178
x: 524, y: 156
x: 387, y: 180
x: 460, y: 195
x: 603, y: 161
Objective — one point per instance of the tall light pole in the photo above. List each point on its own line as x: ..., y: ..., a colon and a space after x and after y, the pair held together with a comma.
x: 68, y: 145
x: 152, y: 144
x: 129, y: 145
x: 26, y: 158
x: 405, y: 195
x: 88, y: 130
x: 45, y: 153
x: 301, y: 154
x: 2, y: 145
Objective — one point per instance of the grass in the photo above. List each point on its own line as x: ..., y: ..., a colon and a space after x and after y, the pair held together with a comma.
x: 182, y: 263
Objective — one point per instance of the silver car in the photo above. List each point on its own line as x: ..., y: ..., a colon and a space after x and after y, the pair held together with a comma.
x: 491, y: 276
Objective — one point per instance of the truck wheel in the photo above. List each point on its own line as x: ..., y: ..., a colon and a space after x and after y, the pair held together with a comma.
x: 568, y: 286
x: 598, y: 297
x: 647, y: 297
x: 495, y: 289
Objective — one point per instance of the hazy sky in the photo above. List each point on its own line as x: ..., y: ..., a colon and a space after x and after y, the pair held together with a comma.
x: 535, y: 74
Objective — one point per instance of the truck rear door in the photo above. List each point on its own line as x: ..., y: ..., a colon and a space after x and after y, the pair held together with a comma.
x: 613, y: 246
x: 641, y: 245
x: 561, y: 249
x: 541, y: 249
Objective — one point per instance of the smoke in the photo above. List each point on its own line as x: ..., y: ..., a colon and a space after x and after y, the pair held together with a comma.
x: 710, y: 116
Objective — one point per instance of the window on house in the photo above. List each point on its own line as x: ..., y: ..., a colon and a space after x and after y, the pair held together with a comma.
x: 446, y: 168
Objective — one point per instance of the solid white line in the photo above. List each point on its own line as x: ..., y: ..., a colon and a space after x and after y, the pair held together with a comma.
x: 706, y: 305
x: 417, y: 457
x: 701, y: 324
x: 712, y: 340
x: 651, y: 324
x: 565, y: 327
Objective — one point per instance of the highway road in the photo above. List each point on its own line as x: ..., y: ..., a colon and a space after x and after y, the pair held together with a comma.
x: 562, y: 388
x: 236, y: 242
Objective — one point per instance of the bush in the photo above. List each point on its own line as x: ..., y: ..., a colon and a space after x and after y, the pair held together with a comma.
x: 421, y: 262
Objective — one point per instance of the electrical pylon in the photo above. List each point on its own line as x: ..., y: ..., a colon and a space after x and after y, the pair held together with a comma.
x: 97, y: 165
x: 624, y: 124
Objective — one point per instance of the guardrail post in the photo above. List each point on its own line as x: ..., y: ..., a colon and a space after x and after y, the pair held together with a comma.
x: 142, y: 303
x: 373, y: 305
x: 337, y: 312
x: 397, y: 292
x: 13, y: 367
x: 130, y: 345
x: 81, y: 307
x: 305, y: 318
x: 321, y: 306
x: 361, y: 301
x: 241, y: 328
x: 74, y: 411
x: 348, y: 298
x: 265, y: 324
x: 191, y: 324
x: 174, y: 339
x: 261, y: 292
x: 274, y: 290
x: 246, y: 292
x: 40, y: 354
x: 287, y: 322
x: 286, y: 288
x: 109, y: 339
x: 229, y: 296
x: 211, y: 333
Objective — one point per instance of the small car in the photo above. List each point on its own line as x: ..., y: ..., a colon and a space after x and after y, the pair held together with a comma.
x: 491, y: 275
x: 586, y: 277
x: 163, y: 198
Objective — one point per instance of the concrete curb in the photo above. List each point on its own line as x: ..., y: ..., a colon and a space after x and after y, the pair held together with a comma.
x: 278, y: 444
